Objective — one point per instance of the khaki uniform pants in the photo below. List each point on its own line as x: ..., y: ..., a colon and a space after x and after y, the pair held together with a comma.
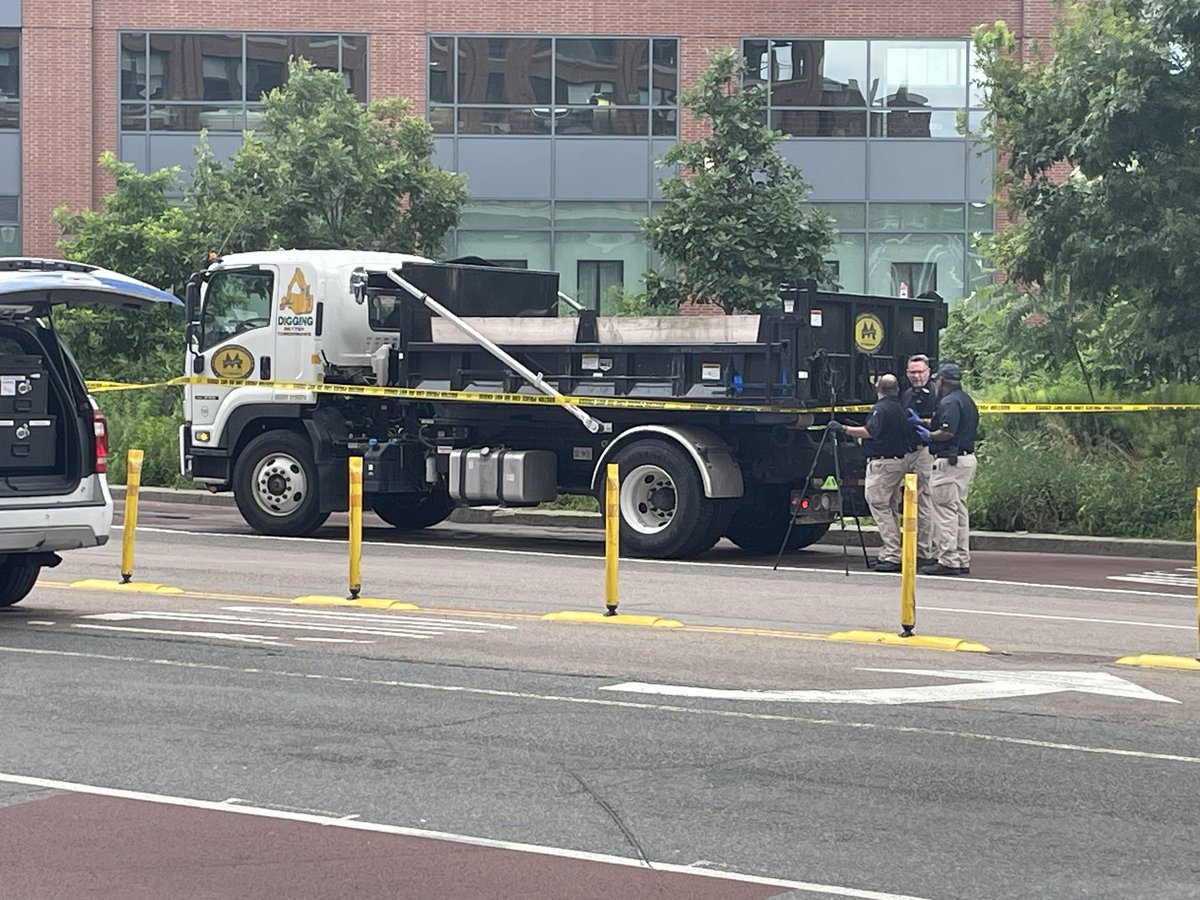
x: 884, y: 478
x: 920, y: 462
x: 950, y: 485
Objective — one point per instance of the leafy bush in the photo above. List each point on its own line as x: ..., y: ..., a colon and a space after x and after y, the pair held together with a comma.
x: 148, y: 421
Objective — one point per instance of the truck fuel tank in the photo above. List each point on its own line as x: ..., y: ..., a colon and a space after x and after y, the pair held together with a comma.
x: 507, y: 476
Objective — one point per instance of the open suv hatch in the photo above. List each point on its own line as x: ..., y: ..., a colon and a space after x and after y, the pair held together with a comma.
x: 53, y: 439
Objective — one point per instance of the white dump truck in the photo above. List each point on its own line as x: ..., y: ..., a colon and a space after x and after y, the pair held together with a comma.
x: 463, y: 383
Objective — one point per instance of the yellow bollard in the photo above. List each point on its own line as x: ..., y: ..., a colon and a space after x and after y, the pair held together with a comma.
x: 1198, y: 572
x: 133, y: 483
x: 612, y: 536
x: 908, y: 558
x: 356, y: 501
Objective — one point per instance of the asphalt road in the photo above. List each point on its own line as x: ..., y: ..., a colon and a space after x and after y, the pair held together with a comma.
x: 226, y: 741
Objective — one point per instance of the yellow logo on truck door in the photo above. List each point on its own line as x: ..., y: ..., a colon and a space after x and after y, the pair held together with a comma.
x: 296, y: 307
x: 233, y: 362
x: 868, y: 332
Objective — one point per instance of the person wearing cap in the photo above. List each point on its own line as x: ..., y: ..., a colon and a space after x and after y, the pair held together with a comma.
x: 952, y: 443
x: 886, y: 437
x: 921, y: 402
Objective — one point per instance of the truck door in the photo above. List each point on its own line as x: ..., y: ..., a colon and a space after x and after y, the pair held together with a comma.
x: 236, y: 341
x: 295, y: 324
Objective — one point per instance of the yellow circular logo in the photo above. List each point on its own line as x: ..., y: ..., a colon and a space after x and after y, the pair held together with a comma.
x: 232, y: 362
x: 868, y: 332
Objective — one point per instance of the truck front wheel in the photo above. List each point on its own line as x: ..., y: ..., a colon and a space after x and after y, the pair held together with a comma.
x: 17, y: 577
x: 275, y: 485
x: 664, y: 513
x: 412, y: 511
x: 760, y: 524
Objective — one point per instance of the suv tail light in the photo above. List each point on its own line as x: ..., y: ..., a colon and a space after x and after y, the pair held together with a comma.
x: 100, y: 429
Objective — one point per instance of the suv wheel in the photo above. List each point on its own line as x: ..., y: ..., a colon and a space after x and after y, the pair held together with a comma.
x: 17, y: 577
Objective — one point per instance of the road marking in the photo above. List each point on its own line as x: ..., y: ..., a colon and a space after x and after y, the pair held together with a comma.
x: 982, y: 685
x: 353, y: 822
x: 218, y: 635
x: 591, y: 557
x: 1182, y: 577
x: 392, y: 625
x: 1016, y: 615
x: 622, y: 704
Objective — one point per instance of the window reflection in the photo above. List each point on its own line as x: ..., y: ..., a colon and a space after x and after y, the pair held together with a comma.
x: 504, y: 70
x: 191, y: 81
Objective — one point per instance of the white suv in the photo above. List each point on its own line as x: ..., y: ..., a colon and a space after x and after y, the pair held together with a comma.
x: 53, y: 439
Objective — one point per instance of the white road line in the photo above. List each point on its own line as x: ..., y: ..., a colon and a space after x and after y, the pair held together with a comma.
x: 1014, y: 615
x: 459, y: 549
x: 354, y: 823
x: 390, y: 617
x: 627, y: 704
x: 215, y: 619
x: 242, y: 638
x: 314, y: 640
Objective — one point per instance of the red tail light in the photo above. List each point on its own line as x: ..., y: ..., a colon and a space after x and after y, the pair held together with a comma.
x: 100, y: 429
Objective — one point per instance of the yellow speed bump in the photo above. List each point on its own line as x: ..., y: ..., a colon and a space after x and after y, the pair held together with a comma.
x: 136, y: 587
x: 923, y: 642
x: 360, y: 602
x: 1160, y: 661
x: 605, y: 619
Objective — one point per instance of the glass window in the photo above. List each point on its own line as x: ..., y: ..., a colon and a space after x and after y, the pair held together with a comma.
x: 980, y: 217
x: 597, y: 246
x: 596, y: 280
x: 195, y: 67
x: 599, y: 216
x: 913, y: 123
x: 10, y: 240
x: 594, y: 70
x: 354, y: 66
x: 194, y: 117
x: 441, y: 70
x: 505, y: 120
x: 133, y: 67
x: 820, y: 122
x: 919, y: 260
x: 384, y: 312
x: 757, y: 61
x: 604, y: 119
x: 531, y: 246
x: 10, y: 78
x: 235, y: 302
x: 818, y: 73
x: 846, y: 216
x: 919, y: 73
x: 504, y: 70
x: 850, y: 253
x: 506, y: 214
x: 916, y: 217
x: 664, y: 88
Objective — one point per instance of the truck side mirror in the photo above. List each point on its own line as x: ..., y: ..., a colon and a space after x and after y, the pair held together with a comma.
x: 192, y: 302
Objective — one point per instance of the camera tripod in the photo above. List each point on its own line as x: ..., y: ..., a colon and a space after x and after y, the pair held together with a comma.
x: 837, y: 480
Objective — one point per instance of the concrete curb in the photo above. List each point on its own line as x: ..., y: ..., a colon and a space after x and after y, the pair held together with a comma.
x: 566, y: 518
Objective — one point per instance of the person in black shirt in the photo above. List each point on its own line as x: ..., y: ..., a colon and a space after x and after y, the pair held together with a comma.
x: 887, y: 436
x: 922, y: 401
x: 952, y: 443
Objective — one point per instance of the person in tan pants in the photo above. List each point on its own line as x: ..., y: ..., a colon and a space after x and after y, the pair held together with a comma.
x: 952, y: 442
x: 921, y: 401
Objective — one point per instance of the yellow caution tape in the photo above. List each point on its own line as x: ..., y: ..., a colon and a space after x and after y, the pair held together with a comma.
x: 523, y: 399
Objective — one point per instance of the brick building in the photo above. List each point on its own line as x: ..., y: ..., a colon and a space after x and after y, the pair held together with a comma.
x: 556, y: 113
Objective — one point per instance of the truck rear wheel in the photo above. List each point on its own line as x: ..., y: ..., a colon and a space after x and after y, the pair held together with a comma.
x: 275, y: 485
x: 761, y: 522
x: 17, y: 578
x: 664, y: 513
x: 409, y: 512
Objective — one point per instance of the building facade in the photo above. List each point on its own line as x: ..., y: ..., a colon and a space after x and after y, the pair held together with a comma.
x: 556, y: 115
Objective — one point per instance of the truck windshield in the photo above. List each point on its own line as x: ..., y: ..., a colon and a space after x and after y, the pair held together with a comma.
x: 235, y: 302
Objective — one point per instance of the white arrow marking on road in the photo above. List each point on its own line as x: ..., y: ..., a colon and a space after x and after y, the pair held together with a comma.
x: 982, y: 685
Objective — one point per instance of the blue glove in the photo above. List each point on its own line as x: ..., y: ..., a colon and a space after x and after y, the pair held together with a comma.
x: 913, y: 417
x: 923, y: 434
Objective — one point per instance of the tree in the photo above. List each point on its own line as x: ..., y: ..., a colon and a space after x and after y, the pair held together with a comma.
x: 324, y: 171
x: 735, y: 224
x: 1101, y: 171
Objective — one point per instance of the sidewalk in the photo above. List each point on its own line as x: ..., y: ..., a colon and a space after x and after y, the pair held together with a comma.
x: 563, y: 518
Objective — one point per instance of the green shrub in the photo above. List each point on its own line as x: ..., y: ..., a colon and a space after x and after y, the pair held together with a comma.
x: 148, y: 421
